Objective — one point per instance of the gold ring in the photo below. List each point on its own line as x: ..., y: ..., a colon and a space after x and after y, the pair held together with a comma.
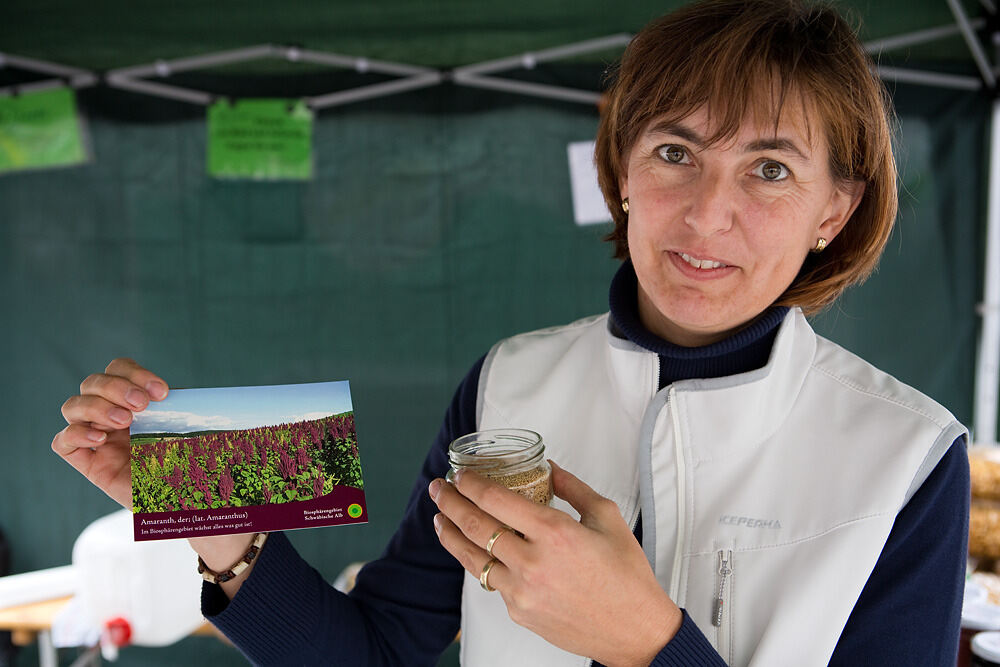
x: 484, y: 576
x: 494, y: 537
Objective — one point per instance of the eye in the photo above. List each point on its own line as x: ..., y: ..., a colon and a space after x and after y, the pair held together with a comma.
x: 770, y: 170
x: 673, y: 153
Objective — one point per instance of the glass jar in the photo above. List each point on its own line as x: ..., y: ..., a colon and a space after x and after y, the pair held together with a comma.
x: 512, y: 457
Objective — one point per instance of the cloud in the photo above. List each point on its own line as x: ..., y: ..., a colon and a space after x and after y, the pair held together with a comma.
x: 309, y: 416
x: 172, y: 421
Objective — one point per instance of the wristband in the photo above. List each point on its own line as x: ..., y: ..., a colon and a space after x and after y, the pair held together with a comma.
x: 238, y: 567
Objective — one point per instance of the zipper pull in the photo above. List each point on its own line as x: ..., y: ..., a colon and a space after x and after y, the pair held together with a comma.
x: 725, y: 569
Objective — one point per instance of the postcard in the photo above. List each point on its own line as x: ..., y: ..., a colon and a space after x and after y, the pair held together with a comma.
x: 219, y: 461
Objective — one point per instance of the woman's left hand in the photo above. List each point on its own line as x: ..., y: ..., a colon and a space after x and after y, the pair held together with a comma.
x: 584, y: 586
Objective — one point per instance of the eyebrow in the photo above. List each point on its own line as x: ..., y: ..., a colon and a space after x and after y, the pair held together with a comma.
x: 780, y: 144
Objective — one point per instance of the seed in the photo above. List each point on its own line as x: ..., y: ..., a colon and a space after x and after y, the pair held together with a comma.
x: 534, y: 484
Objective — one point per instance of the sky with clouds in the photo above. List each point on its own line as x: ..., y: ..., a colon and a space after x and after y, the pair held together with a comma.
x: 234, y: 408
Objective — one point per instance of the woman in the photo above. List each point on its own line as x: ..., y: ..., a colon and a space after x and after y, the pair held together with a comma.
x: 736, y: 490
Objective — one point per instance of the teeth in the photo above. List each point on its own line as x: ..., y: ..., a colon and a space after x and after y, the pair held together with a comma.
x: 701, y: 263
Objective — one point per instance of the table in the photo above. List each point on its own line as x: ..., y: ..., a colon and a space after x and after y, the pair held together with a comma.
x: 32, y: 622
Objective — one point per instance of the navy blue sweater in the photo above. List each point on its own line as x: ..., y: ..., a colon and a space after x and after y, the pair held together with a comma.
x: 406, y: 606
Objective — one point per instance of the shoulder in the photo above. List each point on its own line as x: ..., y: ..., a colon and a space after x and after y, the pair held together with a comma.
x: 543, y: 347
x: 851, y: 375
x: 561, y: 335
x: 544, y: 364
x: 858, y: 397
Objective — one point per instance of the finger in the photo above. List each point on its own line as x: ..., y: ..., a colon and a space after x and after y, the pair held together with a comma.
x: 105, y: 464
x: 494, y: 547
x: 76, y: 436
x: 154, y: 386
x: 96, y: 411
x: 471, y: 557
x: 595, y: 510
x: 508, y: 507
x: 476, y: 525
x: 119, y: 390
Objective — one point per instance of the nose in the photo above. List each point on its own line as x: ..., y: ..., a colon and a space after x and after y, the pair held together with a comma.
x: 710, y: 207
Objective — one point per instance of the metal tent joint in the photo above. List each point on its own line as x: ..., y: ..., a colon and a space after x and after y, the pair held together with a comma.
x: 62, y: 75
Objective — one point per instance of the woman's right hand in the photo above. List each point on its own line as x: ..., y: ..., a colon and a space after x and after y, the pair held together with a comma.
x: 96, y: 441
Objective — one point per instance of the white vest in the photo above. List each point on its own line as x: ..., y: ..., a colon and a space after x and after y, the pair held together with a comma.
x: 793, y: 473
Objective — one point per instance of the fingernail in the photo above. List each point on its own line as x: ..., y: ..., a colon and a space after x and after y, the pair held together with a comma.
x: 96, y: 436
x: 437, y: 524
x: 120, y: 416
x: 156, y: 389
x: 434, y: 489
x: 136, y: 398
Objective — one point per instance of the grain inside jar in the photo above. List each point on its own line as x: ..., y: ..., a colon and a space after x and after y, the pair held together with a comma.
x: 534, y: 484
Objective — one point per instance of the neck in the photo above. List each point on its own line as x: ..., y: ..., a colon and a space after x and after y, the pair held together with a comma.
x: 739, y: 352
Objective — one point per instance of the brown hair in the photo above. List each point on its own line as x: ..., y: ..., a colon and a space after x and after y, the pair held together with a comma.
x: 738, y: 57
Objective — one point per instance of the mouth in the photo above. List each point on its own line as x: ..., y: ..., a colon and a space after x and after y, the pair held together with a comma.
x: 702, y: 264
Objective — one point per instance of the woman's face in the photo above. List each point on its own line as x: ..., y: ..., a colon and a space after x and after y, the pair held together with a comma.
x: 718, y: 232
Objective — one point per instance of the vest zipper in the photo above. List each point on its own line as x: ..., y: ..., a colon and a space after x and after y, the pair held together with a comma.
x: 725, y: 569
x: 721, y: 606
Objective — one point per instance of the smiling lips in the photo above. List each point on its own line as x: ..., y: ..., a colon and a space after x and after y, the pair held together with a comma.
x: 703, y: 264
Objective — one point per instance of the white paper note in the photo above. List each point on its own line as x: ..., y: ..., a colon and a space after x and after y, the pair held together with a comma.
x: 588, y: 202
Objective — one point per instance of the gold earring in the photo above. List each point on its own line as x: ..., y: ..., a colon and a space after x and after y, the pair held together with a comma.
x: 820, y: 245
x: 625, y: 204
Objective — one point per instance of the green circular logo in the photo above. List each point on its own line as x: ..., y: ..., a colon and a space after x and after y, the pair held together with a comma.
x: 354, y: 510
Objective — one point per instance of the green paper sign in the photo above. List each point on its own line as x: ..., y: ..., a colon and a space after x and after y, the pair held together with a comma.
x: 260, y: 139
x: 40, y: 129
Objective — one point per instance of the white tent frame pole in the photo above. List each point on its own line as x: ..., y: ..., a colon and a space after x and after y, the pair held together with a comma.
x: 918, y: 37
x: 72, y: 76
x: 356, y: 63
x: 132, y: 78
x: 164, y: 68
x: 532, y: 89
x: 978, y: 55
x: 474, y: 75
x: 988, y: 359
x: 161, y: 90
x: 924, y: 78
x: 375, y: 90
x: 529, y: 59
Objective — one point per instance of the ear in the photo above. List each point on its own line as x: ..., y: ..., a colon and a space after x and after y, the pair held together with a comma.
x: 843, y: 203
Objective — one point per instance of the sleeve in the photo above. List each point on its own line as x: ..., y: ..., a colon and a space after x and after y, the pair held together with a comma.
x: 688, y: 648
x: 405, y: 607
x: 910, y: 610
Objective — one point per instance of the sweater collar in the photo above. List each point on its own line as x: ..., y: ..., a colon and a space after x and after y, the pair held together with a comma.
x: 745, y: 350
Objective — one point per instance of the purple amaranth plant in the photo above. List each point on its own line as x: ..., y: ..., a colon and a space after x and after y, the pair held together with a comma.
x: 195, y: 472
x: 246, y: 447
x: 302, y: 457
x: 267, y: 494
x: 175, y: 479
x: 286, y: 465
x: 318, y: 486
x: 225, y: 485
